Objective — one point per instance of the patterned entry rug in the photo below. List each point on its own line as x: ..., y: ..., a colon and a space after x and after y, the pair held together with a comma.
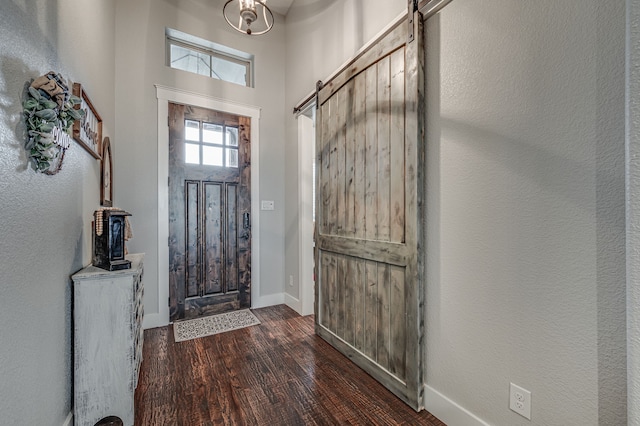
x: 207, y: 326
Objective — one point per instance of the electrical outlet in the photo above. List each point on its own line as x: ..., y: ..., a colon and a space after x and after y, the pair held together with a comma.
x: 520, y: 400
x: 290, y: 280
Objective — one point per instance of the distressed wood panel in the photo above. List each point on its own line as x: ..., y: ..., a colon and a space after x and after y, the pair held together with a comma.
x: 192, y: 249
x: 395, y: 254
x: 213, y: 277
x: 340, y: 123
x: 349, y: 300
x: 359, y: 292
x: 334, y: 167
x: 383, y: 327
x: 371, y: 158
x: 333, y: 292
x: 383, y: 133
x: 341, y: 290
x: 350, y: 159
x: 371, y: 311
x: 231, y: 272
x: 324, y: 168
x: 396, y: 155
x: 358, y: 123
x: 323, y: 297
x: 371, y: 272
x: 397, y: 362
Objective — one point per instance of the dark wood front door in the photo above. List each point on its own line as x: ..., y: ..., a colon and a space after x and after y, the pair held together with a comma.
x: 209, y: 212
x: 369, y: 227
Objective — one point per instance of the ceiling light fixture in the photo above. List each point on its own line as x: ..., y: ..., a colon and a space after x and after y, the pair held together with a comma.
x: 251, y: 17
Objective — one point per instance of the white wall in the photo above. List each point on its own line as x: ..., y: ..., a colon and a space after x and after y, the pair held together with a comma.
x: 140, y: 63
x: 526, y: 278
x: 46, y: 220
x: 633, y: 211
x: 321, y: 36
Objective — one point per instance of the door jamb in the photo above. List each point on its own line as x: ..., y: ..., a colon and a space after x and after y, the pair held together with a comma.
x: 305, y: 233
x: 165, y: 95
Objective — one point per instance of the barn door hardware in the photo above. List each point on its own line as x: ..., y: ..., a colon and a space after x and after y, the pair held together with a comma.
x: 412, y: 8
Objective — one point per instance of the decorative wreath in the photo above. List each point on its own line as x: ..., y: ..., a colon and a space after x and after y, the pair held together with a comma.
x: 49, y: 113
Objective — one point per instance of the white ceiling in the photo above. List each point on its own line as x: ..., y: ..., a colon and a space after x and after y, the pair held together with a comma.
x: 279, y: 6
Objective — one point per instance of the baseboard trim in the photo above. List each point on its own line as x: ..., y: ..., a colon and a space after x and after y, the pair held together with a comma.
x: 69, y: 420
x: 293, y: 303
x: 153, y: 321
x: 449, y: 411
x: 268, y: 300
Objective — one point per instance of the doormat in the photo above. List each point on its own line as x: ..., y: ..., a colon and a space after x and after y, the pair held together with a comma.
x: 207, y: 326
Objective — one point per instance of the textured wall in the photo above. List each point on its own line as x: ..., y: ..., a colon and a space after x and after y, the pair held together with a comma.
x: 525, y: 243
x: 633, y: 211
x: 46, y: 220
x: 140, y: 60
x: 321, y: 36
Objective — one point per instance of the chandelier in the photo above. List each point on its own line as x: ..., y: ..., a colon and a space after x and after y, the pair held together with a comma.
x: 251, y: 17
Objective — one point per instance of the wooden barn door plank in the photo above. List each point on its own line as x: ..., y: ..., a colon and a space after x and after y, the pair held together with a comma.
x: 370, y: 232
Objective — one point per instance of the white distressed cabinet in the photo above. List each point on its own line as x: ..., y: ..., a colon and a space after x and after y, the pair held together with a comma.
x: 108, y: 339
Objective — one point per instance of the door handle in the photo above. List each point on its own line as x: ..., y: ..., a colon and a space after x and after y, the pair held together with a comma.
x: 246, y: 220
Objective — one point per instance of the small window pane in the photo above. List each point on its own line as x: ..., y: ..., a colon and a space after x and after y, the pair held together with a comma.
x: 191, y: 153
x: 232, y: 157
x: 211, y: 155
x: 190, y: 60
x: 211, y: 133
x: 229, y: 71
x: 232, y: 136
x: 192, y: 130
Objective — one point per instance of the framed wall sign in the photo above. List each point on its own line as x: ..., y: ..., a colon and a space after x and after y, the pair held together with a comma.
x: 88, y: 132
x: 106, y: 175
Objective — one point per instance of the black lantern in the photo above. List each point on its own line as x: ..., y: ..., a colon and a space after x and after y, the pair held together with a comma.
x: 109, y: 238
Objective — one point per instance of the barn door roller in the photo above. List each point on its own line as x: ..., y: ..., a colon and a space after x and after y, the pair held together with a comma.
x: 412, y: 8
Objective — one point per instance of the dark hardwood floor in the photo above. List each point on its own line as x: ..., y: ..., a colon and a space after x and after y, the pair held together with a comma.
x: 277, y: 373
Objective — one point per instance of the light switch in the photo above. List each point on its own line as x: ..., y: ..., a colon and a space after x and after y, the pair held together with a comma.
x: 268, y: 205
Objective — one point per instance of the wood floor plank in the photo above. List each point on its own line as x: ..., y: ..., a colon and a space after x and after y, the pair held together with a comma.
x: 278, y: 373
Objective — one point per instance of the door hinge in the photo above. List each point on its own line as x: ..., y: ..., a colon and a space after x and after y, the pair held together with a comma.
x: 168, y: 180
x: 168, y: 241
x: 168, y: 120
x: 168, y: 301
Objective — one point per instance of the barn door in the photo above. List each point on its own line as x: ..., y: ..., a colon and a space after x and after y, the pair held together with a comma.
x: 369, y: 231
x: 209, y: 212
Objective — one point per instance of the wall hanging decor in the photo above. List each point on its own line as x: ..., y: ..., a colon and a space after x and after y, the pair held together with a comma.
x: 106, y: 175
x: 88, y: 131
x: 49, y: 113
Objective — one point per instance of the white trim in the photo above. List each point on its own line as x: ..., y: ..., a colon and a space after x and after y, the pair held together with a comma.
x: 152, y: 321
x: 69, y: 420
x: 165, y: 95
x: 293, y: 303
x: 449, y: 411
x: 306, y: 291
x: 268, y: 300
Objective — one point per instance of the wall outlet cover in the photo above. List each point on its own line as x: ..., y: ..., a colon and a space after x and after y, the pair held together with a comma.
x: 520, y: 400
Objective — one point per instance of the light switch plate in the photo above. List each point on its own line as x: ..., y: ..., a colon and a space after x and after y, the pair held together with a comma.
x: 267, y: 205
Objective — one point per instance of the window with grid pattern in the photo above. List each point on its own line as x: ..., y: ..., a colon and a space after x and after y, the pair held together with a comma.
x: 210, y: 144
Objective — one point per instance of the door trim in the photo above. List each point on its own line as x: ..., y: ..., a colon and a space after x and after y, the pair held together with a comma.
x: 166, y: 94
x: 306, y: 150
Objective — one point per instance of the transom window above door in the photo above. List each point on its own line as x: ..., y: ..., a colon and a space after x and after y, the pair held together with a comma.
x: 210, y: 144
